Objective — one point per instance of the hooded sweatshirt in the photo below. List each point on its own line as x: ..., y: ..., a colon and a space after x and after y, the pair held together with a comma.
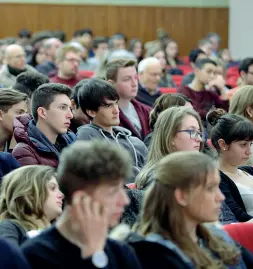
x: 122, y: 137
x: 33, y: 147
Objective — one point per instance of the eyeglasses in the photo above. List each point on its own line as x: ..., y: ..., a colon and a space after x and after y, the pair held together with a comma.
x: 73, y: 60
x: 194, y: 134
x: 21, y: 56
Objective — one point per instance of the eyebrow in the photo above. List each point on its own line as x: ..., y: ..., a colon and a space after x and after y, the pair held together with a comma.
x: 194, y: 127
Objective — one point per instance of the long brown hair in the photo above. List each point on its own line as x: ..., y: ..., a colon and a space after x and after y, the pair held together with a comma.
x: 161, y: 214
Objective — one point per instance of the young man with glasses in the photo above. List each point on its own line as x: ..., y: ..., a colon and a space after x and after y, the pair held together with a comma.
x: 246, y: 74
x: 68, y: 59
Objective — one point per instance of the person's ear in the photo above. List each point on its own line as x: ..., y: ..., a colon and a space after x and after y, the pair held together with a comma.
x: 58, y: 63
x: 42, y: 112
x: 243, y: 74
x: 182, y: 197
x: 111, y: 81
x: 91, y: 113
x: 222, y: 144
x: 249, y: 112
x: 73, y: 104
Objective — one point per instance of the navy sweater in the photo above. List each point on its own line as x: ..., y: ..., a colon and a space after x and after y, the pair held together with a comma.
x: 51, y: 250
x: 11, y: 257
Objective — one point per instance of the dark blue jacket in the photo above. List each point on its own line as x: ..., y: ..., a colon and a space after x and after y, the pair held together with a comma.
x: 7, y: 164
x: 11, y: 257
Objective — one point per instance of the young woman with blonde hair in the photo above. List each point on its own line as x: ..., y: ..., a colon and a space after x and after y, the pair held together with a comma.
x: 171, y: 230
x: 176, y: 129
x: 29, y: 200
x: 165, y: 101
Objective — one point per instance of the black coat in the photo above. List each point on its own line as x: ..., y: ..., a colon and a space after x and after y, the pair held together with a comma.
x: 233, y: 197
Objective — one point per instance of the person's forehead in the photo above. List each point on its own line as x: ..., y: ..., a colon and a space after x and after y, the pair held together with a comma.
x: 108, y: 101
x: 17, y: 51
x: 72, y: 54
x: 154, y: 67
x: 61, y: 99
x: 126, y: 71
x: 251, y: 68
x: 209, y: 66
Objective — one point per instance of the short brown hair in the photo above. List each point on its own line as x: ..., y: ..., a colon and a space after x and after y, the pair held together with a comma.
x: 10, y: 97
x: 63, y: 50
x: 112, y: 67
x: 90, y: 163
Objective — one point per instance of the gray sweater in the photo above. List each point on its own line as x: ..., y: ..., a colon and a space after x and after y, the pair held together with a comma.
x: 122, y: 137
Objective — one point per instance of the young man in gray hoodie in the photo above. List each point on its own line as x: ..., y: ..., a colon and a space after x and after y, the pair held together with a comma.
x: 98, y: 99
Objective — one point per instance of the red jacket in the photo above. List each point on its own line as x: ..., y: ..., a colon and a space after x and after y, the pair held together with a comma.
x: 204, y: 100
x: 143, y: 112
x: 33, y: 147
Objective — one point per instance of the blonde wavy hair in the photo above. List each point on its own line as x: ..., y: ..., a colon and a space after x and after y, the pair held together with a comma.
x: 241, y: 101
x: 161, y: 213
x: 23, y: 195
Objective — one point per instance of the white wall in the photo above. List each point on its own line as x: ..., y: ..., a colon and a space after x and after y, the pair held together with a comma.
x: 184, y: 3
x: 240, y: 28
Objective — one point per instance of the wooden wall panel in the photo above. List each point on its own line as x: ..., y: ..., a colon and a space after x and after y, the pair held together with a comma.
x: 186, y: 25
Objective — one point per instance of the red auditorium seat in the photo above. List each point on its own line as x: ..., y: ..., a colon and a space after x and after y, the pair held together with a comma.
x: 232, y: 71
x: 177, y: 79
x: 185, y: 59
x: 86, y: 74
x: 231, y: 81
x: 168, y: 90
x: 186, y: 69
x: 242, y: 233
x: 131, y: 186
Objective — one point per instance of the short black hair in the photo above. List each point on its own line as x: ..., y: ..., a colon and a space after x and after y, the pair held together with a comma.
x: 202, y: 62
x: 122, y: 35
x: 93, y: 93
x: 82, y: 32
x: 25, y: 33
x: 194, y: 55
x: 75, y: 91
x: 245, y: 64
x: 45, y: 95
x: 97, y: 41
x: 61, y: 35
x: 27, y: 82
x: 39, y: 36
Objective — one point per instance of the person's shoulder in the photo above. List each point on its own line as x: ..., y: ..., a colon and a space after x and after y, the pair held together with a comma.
x: 184, y: 88
x: 121, y: 249
x: 141, y: 106
x: 247, y: 169
x: 13, y: 254
x: 41, y: 240
x: 6, y: 157
x: 30, y: 68
x: 86, y: 131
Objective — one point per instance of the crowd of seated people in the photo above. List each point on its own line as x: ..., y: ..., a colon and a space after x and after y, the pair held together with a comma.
x: 120, y: 154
